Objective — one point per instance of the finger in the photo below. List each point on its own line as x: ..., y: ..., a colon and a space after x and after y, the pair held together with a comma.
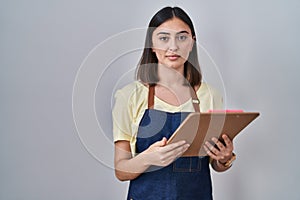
x: 212, y: 148
x: 161, y: 143
x: 171, y: 147
x: 218, y: 143
x: 158, y: 143
x: 213, y: 156
x: 183, y: 149
x: 164, y: 141
x: 172, y: 155
x: 177, y: 152
x: 227, y: 140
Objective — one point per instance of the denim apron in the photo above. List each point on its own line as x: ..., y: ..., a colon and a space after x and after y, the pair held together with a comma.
x: 187, y: 178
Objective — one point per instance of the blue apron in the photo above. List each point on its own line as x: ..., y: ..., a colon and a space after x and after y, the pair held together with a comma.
x: 187, y: 178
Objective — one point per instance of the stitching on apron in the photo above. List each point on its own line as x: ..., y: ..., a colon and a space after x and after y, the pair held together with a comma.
x: 177, y: 168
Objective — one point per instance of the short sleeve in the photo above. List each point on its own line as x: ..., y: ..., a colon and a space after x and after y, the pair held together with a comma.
x: 210, y: 98
x: 218, y: 103
x: 122, y: 117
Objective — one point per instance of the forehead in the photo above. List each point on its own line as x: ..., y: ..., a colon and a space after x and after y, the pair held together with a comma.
x: 173, y: 25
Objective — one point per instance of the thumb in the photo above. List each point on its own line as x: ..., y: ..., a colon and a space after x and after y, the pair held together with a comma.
x: 162, y: 142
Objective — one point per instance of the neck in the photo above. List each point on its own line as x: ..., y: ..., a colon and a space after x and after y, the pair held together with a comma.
x: 169, y: 76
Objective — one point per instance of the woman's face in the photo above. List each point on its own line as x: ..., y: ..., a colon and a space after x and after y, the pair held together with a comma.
x: 172, y: 42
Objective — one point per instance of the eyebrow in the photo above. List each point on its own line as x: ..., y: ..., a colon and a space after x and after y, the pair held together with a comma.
x: 166, y: 33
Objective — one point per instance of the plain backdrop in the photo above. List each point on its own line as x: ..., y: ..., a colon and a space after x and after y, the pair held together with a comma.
x: 254, y: 44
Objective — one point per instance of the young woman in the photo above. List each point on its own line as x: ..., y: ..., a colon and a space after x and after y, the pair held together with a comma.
x: 147, y: 112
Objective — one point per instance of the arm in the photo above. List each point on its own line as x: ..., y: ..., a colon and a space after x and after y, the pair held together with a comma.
x: 159, y: 154
x: 127, y: 167
x: 220, y: 155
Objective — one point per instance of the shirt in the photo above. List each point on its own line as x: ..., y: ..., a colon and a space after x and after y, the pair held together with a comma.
x: 132, y: 100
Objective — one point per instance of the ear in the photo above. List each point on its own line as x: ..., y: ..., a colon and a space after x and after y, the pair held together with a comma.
x: 153, y: 50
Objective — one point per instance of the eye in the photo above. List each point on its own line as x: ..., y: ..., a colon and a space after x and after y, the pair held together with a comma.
x: 182, y: 37
x: 164, y: 38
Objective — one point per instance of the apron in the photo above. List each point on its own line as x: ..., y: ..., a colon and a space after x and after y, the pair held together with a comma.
x: 187, y: 178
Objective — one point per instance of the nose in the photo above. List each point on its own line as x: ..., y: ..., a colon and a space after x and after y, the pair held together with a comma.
x: 173, y: 45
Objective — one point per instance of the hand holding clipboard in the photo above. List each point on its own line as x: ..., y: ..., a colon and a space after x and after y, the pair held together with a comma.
x: 200, y: 127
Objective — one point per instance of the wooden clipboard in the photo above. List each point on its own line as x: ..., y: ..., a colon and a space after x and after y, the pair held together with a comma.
x: 200, y: 127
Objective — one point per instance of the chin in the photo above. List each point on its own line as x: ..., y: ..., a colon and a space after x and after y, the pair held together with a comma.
x: 175, y: 65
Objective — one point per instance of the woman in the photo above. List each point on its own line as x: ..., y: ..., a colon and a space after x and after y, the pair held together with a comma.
x: 147, y: 112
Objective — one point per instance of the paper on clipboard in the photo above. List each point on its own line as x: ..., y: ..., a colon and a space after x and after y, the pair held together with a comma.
x: 200, y: 127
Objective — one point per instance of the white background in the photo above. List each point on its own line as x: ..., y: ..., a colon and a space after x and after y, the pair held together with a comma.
x: 255, y: 45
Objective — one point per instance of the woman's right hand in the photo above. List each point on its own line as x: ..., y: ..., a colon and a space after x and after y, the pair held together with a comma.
x: 162, y: 154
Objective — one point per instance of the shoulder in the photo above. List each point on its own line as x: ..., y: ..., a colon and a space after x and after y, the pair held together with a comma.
x: 133, y: 94
x: 206, y: 89
x: 135, y: 88
x: 210, y: 97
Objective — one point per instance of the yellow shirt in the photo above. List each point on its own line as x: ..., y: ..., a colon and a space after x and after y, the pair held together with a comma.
x: 132, y: 100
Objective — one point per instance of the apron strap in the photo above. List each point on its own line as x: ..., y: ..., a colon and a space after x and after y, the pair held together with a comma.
x: 151, y: 94
x: 195, y: 100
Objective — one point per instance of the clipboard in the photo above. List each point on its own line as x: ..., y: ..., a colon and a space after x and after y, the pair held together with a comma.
x: 200, y: 127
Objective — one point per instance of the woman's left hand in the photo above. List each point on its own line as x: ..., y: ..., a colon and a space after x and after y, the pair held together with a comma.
x: 222, y: 153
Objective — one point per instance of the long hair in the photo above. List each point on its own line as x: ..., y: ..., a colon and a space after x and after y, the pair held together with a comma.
x: 147, y: 66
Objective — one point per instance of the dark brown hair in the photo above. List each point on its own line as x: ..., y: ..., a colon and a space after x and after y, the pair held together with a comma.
x: 147, y: 66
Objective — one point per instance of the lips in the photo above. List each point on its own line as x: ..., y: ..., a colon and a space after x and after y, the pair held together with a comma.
x: 172, y: 57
